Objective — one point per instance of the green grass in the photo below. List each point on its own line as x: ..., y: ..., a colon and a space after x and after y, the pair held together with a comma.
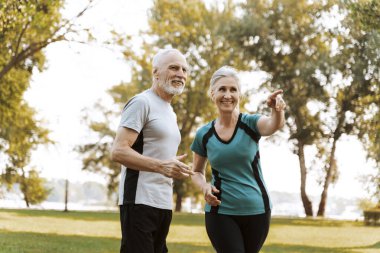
x: 26, y: 242
x: 38, y: 231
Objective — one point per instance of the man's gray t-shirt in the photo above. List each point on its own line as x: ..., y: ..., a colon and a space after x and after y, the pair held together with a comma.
x: 155, y: 121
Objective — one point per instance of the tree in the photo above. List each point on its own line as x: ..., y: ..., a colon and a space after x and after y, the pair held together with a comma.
x: 26, y: 28
x: 284, y: 39
x: 96, y: 155
x: 290, y: 41
x: 365, y: 14
x: 355, y: 96
x: 23, y: 137
x: 33, y: 188
x: 195, y: 30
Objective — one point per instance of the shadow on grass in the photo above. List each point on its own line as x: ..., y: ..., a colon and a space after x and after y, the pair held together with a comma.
x: 374, y: 246
x: 285, y: 248
x: 75, y: 215
x: 270, y: 248
x: 25, y: 242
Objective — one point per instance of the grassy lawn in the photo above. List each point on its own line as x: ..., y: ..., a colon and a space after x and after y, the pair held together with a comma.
x: 33, y: 231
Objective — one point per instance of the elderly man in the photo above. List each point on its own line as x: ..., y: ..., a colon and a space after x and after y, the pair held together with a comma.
x: 146, y: 145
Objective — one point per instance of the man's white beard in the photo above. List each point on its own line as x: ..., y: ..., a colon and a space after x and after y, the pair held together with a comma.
x: 171, y: 89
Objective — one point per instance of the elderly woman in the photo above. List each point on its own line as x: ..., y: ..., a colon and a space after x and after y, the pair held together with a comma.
x: 237, y: 202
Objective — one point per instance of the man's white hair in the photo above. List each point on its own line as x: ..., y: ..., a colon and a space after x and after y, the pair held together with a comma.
x: 158, y: 57
x: 225, y: 71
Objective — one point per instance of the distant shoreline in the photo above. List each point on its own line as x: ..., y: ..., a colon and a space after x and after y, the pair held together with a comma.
x: 280, y: 210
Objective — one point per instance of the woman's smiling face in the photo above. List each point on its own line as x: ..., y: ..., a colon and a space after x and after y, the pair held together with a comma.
x: 225, y: 94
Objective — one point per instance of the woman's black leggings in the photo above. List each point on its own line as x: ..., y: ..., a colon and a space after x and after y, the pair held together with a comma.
x: 237, y: 234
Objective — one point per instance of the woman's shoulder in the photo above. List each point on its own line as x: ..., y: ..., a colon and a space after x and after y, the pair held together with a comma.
x: 250, y: 116
x: 251, y: 120
x: 204, y: 128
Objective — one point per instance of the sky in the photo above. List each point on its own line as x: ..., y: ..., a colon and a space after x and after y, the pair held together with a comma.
x: 77, y: 76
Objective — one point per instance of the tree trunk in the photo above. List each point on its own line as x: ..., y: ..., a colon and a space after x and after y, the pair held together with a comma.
x: 178, y: 203
x: 66, y: 194
x: 331, y: 170
x: 25, y: 188
x: 26, y: 201
x: 307, y: 205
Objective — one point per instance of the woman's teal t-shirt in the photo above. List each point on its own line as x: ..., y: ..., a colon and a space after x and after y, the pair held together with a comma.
x: 236, y: 169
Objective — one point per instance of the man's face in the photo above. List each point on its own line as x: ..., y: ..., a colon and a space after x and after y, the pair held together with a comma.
x: 172, y: 73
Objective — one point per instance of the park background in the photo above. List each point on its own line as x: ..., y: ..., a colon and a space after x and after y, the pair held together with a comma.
x: 65, y: 75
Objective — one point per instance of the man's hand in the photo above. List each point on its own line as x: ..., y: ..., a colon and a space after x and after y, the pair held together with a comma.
x: 275, y: 101
x: 174, y: 168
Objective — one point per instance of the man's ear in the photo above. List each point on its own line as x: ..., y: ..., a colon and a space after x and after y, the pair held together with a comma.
x: 155, y: 73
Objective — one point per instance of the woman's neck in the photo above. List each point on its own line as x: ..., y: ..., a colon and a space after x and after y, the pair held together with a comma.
x: 228, y: 119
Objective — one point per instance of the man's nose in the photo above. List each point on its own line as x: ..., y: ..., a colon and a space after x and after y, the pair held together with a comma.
x: 181, y: 73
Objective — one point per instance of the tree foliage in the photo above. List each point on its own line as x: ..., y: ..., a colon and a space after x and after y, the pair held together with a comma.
x: 284, y: 39
x: 328, y: 73
x: 363, y: 54
x: 292, y: 41
x: 364, y: 15
x: 33, y: 188
x: 96, y: 155
x: 26, y: 28
x: 196, y: 31
x: 23, y: 137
